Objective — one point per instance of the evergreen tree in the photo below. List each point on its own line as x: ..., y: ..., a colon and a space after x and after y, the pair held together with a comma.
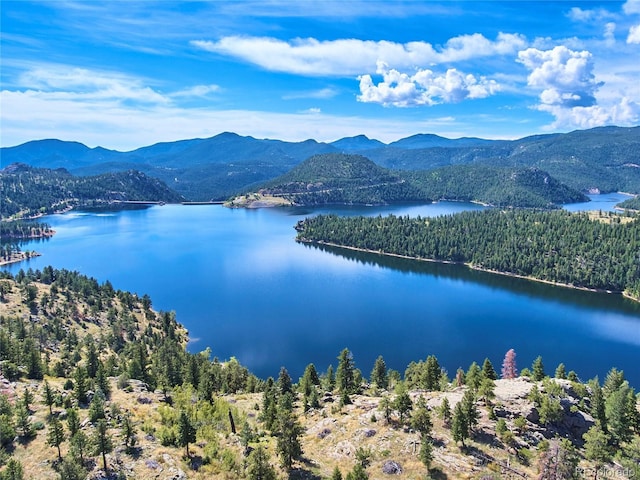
x: 79, y: 443
x: 345, y: 374
x: 71, y: 470
x: 432, y: 374
x: 488, y: 371
x: 596, y: 447
x: 486, y: 390
x: 558, y: 462
x: 80, y: 385
x: 621, y: 413
x: 474, y: 376
x: 597, y: 404
x: 358, y: 473
x: 55, y: 436
x: 269, y: 405
x: 48, y: 396
x: 288, y: 443
x: 97, y: 407
x: 258, y: 467
x: 426, y: 452
x: 330, y: 379
x: 560, y: 372
x: 186, y: 431
x: 445, y: 412
x: 538, y: 369
x: 421, y: 418
x: 386, y: 407
x: 102, y: 443
x: 459, y: 424
x: 471, y: 412
x: 402, y: 402
x: 128, y: 432
x: 23, y: 421
x: 27, y: 399
x: 509, y: 369
x: 336, y: 475
x: 13, y: 471
x: 285, y: 385
x: 73, y: 421
x: 550, y: 410
x: 612, y: 382
x: 379, y: 374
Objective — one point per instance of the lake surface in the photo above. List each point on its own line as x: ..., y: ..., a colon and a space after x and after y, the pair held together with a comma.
x: 242, y: 286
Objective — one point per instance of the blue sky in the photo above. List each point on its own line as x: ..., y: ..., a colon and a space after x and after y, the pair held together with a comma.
x: 124, y: 74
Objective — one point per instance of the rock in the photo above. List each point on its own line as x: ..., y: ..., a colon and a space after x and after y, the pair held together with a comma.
x: 369, y: 432
x: 152, y: 464
x: 144, y: 400
x: 324, y: 432
x: 391, y: 468
x: 177, y: 474
x: 577, y: 423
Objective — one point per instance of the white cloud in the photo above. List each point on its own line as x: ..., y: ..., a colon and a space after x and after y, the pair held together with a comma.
x: 634, y: 34
x: 423, y: 88
x: 577, y: 14
x: 609, y: 34
x: 323, y: 93
x: 569, y: 89
x: 352, y: 56
x: 196, y: 91
x: 631, y: 7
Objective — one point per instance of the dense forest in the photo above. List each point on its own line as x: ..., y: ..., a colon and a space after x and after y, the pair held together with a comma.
x: 354, y: 179
x: 631, y: 204
x: 96, y: 383
x: 28, y: 192
x: 19, y: 230
x: 568, y: 248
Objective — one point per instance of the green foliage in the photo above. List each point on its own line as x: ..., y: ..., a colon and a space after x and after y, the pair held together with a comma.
x: 29, y: 191
x: 424, y: 375
x: 345, y: 374
x: 402, y: 403
x: 537, y: 368
x: 258, y: 467
x: 596, y: 446
x: 379, y: 374
x: 186, y: 431
x: 459, y: 424
x: 13, y: 471
x: 561, y: 372
x: 55, y: 435
x: 557, y: 246
x: 488, y: 371
x: 101, y: 441
x: 421, y: 418
x: 630, y: 204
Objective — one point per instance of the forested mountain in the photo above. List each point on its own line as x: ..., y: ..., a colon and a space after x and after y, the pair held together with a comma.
x: 561, y: 247
x: 28, y: 191
x: 94, y: 383
x: 342, y: 179
x: 497, y: 186
x: 215, y: 168
x: 631, y: 204
x: 354, y: 179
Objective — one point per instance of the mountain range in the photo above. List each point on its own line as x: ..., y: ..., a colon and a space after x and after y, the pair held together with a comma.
x: 600, y: 159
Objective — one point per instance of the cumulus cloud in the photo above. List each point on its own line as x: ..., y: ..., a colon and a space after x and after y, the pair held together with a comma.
x: 423, y: 88
x: 310, y: 56
x: 196, y: 91
x: 631, y: 7
x: 565, y: 76
x: 634, y: 34
x: 578, y: 14
x: 568, y: 89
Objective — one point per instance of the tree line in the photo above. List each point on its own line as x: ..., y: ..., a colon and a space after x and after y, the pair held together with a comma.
x: 557, y: 246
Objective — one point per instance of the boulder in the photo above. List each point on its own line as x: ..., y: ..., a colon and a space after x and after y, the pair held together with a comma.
x: 391, y: 467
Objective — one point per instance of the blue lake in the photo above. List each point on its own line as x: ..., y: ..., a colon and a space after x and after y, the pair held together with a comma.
x: 242, y: 286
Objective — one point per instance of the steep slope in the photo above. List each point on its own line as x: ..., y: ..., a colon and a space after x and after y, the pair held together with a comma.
x: 342, y: 179
x: 31, y: 191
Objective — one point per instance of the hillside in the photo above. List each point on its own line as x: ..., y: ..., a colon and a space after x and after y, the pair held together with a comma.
x: 28, y: 192
x: 631, y: 204
x: 341, y: 179
x: 216, y: 168
x: 501, y: 187
x: 354, y: 179
x: 92, y: 378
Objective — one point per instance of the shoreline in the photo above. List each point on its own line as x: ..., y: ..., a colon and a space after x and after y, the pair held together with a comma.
x: 472, y: 267
x: 20, y: 257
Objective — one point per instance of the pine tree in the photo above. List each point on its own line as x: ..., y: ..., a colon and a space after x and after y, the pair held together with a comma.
x: 186, y: 431
x: 421, y: 418
x: 79, y: 443
x: 474, y: 376
x: 432, y: 374
x: 13, y: 470
x: 386, y: 407
x: 336, y: 475
x: 537, y: 368
x: 73, y: 421
x: 102, y: 443
x: 445, y: 412
x: 557, y: 462
x: 288, y: 444
x: 459, y: 424
x: 23, y: 421
x: 258, y: 467
x: 55, y: 436
x: 621, y: 413
x: 345, y: 374
x: 81, y: 385
x: 48, y: 396
x: 402, y: 402
x: 597, y: 404
x: 379, y: 375
x: 128, y: 432
x: 488, y: 371
x: 426, y: 452
x: 285, y: 385
x: 470, y: 410
x: 509, y: 369
x: 561, y: 372
x: 596, y: 447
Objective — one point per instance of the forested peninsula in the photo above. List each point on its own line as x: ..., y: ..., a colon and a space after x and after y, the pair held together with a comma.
x: 94, y: 383
x: 583, y: 250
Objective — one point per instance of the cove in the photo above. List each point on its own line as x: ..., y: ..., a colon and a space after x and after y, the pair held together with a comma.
x: 243, y: 287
